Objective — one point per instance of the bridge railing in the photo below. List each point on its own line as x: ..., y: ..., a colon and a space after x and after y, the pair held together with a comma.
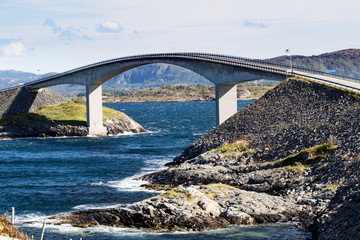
x: 294, y: 67
x: 219, y: 58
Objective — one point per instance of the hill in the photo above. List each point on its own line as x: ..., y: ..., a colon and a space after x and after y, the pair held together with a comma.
x: 344, y: 62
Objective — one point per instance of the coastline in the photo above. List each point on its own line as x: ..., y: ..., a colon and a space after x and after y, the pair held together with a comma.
x: 208, y: 182
x: 67, y: 119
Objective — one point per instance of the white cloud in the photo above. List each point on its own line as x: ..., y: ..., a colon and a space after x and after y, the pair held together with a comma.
x: 69, y: 33
x: 14, y: 49
x: 109, y: 26
x: 255, y: 24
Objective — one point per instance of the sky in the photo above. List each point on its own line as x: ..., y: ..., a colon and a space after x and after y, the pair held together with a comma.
x: 42, y: 36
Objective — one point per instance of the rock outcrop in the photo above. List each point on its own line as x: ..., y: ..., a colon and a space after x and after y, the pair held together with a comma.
x: 58, y: 120
x: 293, y: 154
x: 53, y: 129
x: 192, y: 208
x: 283, y: 129
x: 21, y: 100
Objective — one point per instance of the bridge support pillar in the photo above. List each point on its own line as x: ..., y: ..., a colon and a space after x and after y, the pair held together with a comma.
x: 226, y: 102
x: 94, y: 110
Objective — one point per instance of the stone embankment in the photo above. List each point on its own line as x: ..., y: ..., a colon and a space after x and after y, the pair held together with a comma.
x: 21, y: 100
x: 293, y: 154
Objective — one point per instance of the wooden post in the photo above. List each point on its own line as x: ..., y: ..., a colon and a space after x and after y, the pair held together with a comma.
x: 43, y: 231
x: 12, y: 215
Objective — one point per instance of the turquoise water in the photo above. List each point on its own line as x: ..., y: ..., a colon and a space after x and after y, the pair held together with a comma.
x: 43, y: 177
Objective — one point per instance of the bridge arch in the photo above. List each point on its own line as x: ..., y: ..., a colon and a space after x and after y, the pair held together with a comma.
x: 224, y: 71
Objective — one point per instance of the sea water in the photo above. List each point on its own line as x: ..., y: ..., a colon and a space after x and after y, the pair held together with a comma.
x: 48, y: 176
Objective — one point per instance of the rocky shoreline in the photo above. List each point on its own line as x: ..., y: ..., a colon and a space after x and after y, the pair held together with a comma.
x: 114, y: 127
x: 193, y: 208
x: 38, y: 125
x: 292, y: 155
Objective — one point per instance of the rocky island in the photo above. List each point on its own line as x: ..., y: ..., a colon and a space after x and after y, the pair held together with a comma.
x: 51, y: 115
x: 292, y: 155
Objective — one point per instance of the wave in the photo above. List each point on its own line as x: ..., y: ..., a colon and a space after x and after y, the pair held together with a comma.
x: 132, y: 183
x: 128, y: 184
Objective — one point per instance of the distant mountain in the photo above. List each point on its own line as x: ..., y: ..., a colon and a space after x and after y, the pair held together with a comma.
x: 143, y: 77
x: 10, y: 78
x: 344, y: 62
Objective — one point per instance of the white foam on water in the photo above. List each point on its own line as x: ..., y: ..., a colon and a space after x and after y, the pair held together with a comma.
x: 36, y: 221
x: 128, y: 184
x: 96, y: 206
x: 125, y: 133
x: 91, y: 136
x: 97, y: 184
x: 132, y: 184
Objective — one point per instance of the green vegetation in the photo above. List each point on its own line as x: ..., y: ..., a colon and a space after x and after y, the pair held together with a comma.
x: 70, y: 113
x: 180, y: 193
x: 166, y: 93
x: 355, y: 158
x: 172, y: 193
x: 183, y: 92
x: 7, y: 229
x: 333, y: 187
x: 212, y: 190
x: 219, y: 186
x: 308, y: 157
x: 232, y: 148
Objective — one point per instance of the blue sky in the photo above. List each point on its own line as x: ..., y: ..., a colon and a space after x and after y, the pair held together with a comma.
x: 59, y: 35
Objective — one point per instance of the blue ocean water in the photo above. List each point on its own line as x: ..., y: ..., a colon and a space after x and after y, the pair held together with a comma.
x: 44, y: 177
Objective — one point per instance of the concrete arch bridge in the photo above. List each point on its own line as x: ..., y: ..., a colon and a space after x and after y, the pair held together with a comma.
x: 224, y: 71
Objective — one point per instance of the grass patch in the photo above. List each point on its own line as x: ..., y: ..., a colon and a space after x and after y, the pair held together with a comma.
x: 355, y: 158
x: 335, y: 186
x: 180, y: 193
x: 309, y: 156
x: 215, y: 188
x: 173, y: 193
x: 232, y: 148
x: 70, y: 113
x: 219, y: 186
x: 22, y: 119
x: 248, y: 152
x: 324, y: 166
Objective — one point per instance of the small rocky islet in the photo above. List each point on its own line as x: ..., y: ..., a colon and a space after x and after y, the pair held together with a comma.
x: 65, y: 119
x: 292, y: 155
